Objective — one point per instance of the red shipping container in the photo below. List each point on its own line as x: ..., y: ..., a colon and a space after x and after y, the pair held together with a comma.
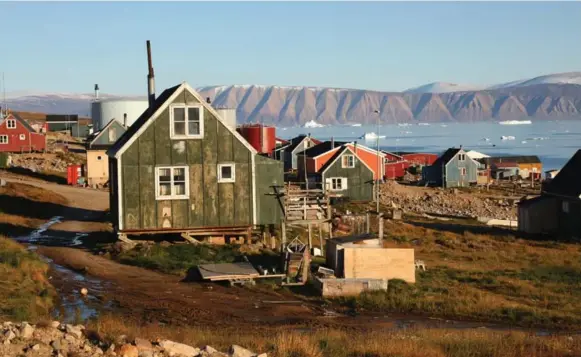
x: 73, y: 174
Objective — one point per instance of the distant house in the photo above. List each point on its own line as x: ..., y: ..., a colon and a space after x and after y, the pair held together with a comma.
x: 97, y: 146
x: 504, y: 170
x: 452, y: 169
x: 293, y: 148
x: 558, y: 210
x: 527, y: 165
x: 346, y: 175
x: 16, y: 135
x: 180, y: 168
x: 418, y: 158
x: 395, y: 166
x: 71, y: 124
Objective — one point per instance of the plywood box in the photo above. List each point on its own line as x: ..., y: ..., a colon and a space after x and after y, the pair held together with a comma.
x: 348, y: 287
x: 379, y: 263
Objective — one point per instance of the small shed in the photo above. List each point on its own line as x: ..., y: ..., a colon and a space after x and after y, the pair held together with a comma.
x: 97, y: 146
x: 364, y: 257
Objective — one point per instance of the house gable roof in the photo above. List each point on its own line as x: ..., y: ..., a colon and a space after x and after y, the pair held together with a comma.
x: 322, y: 148
x: 21, y: 121
x: 446, y: 157
x: 296, y: 141
x: 568, y: 180
x: 160, y: 104
x: 337, y: 155
x: 105, y: 129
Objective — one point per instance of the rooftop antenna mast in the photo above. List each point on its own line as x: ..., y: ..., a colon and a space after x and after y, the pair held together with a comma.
x: 4, y: 94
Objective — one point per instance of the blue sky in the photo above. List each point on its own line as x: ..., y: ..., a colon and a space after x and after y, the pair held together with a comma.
x: 389, y: 46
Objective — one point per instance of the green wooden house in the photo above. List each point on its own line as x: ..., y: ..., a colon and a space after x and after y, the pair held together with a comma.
x: 181, y: 168
x: 345, y: 175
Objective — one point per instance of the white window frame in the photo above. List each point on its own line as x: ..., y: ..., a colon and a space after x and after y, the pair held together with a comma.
x: 333, y: 184
x: 186, y: 107
x: 227, y: 180
x: 461, y: 157
x: 4, y: 139
x: 347, y: 166
x: 462, y: 171
x: 173, y: 196
x: 11, y: 121
x: 22, y: 137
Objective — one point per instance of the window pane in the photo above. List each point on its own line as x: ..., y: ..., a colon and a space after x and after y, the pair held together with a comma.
x: 194, y: 114
x: 179, y: 128
x: 226, y: 172
x: 180, y: 188
x: 179, y: 115
x: 164, y: 175
x: 165, y: 189
x: 193, y: 128
x: 179, y: 174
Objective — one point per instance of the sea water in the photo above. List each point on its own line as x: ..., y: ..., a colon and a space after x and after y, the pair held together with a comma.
x: 554, y: 142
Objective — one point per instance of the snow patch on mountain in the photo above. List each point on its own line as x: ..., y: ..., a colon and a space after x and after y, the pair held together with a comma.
x: 557, y: 78
x: 443, y: 87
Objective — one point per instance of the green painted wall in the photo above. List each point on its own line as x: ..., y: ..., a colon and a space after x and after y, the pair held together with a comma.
x: 269, y: 173
x: 359, y: 179
x: 210, y: 203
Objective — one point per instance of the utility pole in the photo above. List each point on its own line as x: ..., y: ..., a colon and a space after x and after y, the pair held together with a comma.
x: 378, y: 166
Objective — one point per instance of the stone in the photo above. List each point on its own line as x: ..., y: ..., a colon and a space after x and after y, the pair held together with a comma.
x: 174, y: 348
x: 237, y: 351
x: 26, y: 331
x: 209, y: 349
x: 74, y: 330
x: 262, y: 355
x: 55, y: 324
x: 56, y: 345
x: 36, y: 347
x: 84, y: 291
x: 9, y: 335
x: 128, y: 351
x: 143, y: 344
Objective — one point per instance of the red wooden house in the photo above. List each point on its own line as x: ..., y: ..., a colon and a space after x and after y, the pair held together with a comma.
x: 16, y: 135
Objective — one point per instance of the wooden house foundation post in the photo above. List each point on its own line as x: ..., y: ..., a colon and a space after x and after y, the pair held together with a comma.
x: 283, y: 233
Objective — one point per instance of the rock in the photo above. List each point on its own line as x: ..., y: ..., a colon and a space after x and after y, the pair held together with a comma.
x: 143, y: 344
x: 237, y: 351
x: 36, y: 347
x: 55, y: 324
x: 209, y: 349
x: 262, y: 355
x: 74, y: 330
x: 174, y: 348
x: 56, y: 345
x: 128, y: 351
x: 84, y: 291
x: 26, y: 331
x: 146, y: 354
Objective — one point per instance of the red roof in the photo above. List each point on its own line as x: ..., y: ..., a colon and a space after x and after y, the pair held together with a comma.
x: 284, y: 142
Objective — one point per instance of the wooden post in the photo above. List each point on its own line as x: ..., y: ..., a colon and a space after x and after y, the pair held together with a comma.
x: 310, y: 237
x: 283, y: 242
x: 367, y: 222
x: 321, y: 237
x: 380, y: 228
x: 330, y: 230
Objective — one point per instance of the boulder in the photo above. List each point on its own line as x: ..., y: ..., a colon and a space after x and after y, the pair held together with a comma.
x: 174, y: 348
x: 26, y: 331
x: 143, y: 344
x: 128, y: 351
x: 237, y: 351
x: 74, y: 330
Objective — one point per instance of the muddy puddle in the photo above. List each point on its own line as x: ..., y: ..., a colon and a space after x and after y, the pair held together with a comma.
x: 71, y: 306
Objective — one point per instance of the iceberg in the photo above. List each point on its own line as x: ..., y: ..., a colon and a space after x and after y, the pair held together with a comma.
x: 510, y: 137
x: 515, y: 122
x: 312, y: 124
x: 372, y: 136
x: 356, y: 124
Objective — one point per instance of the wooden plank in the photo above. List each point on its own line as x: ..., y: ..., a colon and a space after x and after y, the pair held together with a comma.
x: 242, y: 195
x: 180, y: 213
x: 147, y: 196
x: 226, y: 203
x: 225, y: 146
x: 210, y: 142
x: 196, y: 209
x: 162, y: 142
x: 194, y: 151
x: 179, y: 152
x: 164, y: 214
x: 131, y: 197
x: 147, y: 147
x: 226, y: 270
x: 210, y: 195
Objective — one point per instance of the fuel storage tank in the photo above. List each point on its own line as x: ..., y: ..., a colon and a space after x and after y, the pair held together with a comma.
x: 261, y: 137
x: 103, y: 110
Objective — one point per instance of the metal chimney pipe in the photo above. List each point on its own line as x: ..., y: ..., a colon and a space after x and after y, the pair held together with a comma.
x: 150, y: 78
x: 125, y: 120
x: 96, y: 91
x: 332, y: 142
x: 208, y: 100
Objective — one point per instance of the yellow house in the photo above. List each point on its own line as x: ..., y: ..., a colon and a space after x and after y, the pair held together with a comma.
x: 97, y: 159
